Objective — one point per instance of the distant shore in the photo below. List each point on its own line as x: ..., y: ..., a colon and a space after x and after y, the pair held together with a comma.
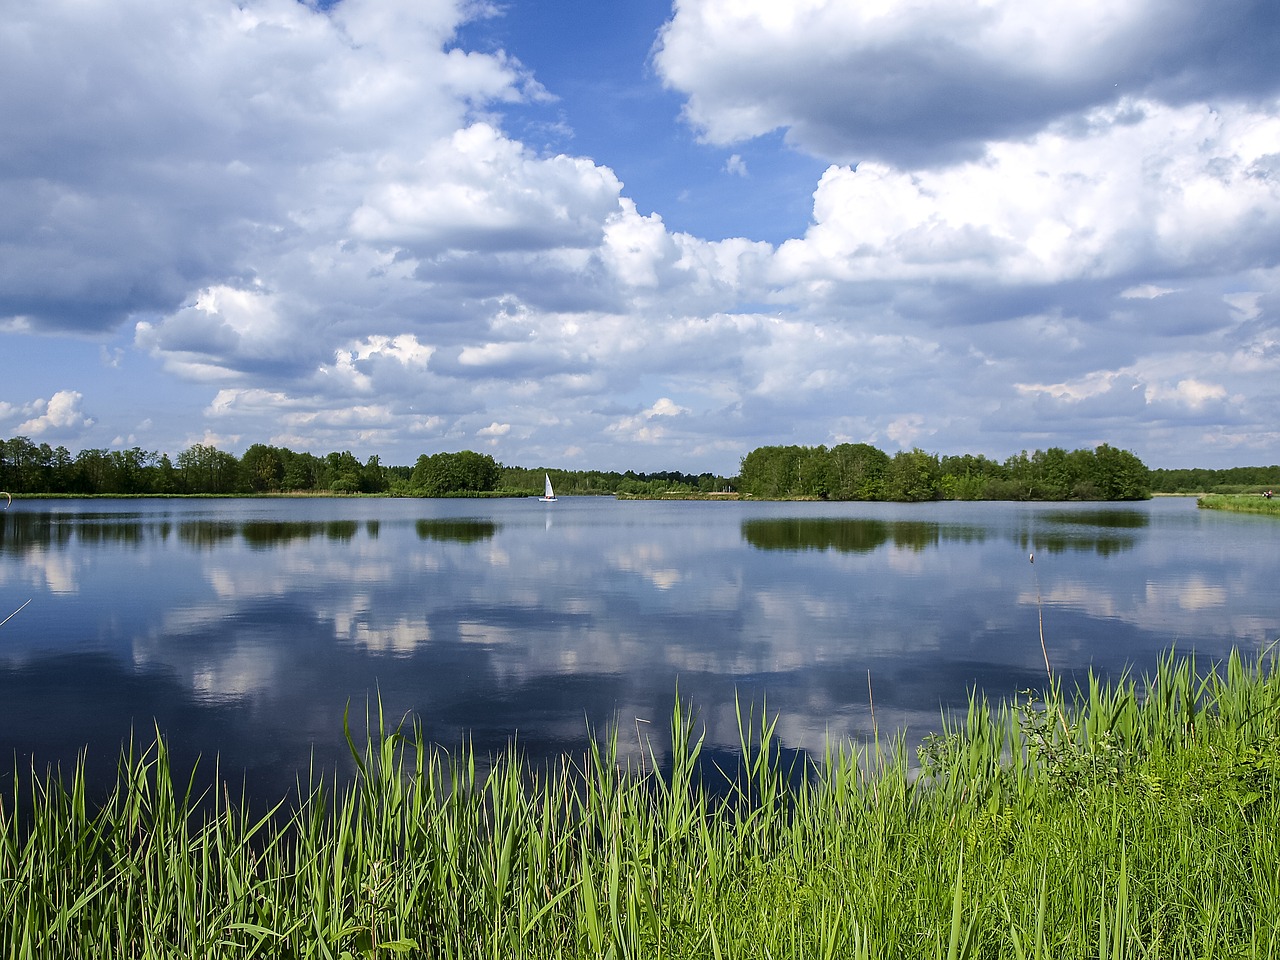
x: 1241, y: 503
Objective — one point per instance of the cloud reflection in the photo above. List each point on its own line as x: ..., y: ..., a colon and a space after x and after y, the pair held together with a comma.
x: 605, y: 615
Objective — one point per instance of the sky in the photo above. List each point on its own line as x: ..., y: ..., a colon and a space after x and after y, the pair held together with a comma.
x: 642, y: 235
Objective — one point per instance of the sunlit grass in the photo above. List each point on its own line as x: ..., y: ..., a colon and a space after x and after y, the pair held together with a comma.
x: 1240, y: 503
x: 1137, y: 819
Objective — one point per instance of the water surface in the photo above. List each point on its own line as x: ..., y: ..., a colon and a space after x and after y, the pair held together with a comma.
x: 242, y: 628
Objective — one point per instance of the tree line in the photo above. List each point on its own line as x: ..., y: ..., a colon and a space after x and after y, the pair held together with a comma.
x: 27, y: 467
x: 859, y: 471
x: 1230, y: 480
x: 855, y: 471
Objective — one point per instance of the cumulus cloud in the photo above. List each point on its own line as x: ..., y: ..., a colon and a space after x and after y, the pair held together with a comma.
x: 151, y: 149
x: 59, y: 417
x: 1058, y: 223
x: 916, y: 84
x: 647, y: 425
x: 481, y: 190
x: 1143, y: 187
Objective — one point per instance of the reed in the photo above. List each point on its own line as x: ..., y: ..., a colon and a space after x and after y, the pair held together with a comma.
x: 1131, y: 819
x: 1240, y: 503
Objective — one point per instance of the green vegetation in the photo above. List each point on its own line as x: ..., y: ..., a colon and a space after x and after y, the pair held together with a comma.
x: 1132, y: 820
x: 28, y: 468
x: 1232, y: 480
x: 859, y: 471
x: 850, y: 471
x: 628, y: 484
x: 1241, y: 504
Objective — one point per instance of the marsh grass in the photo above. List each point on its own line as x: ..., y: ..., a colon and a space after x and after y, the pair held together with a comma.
x: 1143, y: 826
x: 1240, y: 503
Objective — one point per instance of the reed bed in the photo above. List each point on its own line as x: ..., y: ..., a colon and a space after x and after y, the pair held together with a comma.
x: 1240, y: 503
x: 1133, y: 819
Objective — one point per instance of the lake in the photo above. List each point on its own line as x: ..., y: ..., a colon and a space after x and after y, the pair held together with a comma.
x: 243, y: 628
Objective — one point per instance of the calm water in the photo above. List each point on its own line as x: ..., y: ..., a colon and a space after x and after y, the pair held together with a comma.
x: 243, y: 627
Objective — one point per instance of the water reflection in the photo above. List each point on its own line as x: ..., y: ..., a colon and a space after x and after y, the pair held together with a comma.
x: 458, y: 531
x: 22, y: 530
x: 206, y: 534
x: 844, y: 535
x: 861, y: 535
x: 245, y: 628
x: 1132, y: 519
x: 264, y: 534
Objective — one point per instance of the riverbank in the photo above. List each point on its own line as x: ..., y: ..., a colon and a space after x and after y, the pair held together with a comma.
x: 1142, y: 816
x: 681, y: 495
x: 1240, y: 503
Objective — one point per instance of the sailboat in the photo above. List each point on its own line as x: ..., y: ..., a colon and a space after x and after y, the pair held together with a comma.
x: 550, y: 495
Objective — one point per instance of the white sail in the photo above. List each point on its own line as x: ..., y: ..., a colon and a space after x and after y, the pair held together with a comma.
x: 550, y: 494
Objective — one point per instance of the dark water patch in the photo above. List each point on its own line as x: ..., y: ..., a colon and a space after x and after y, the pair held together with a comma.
x: 1051, y: 542
x: 845, y: 535
x: 206, y: 534
x: 21, y: 531
x: 1130, y: 519
x: 265, y: 534
x: 456, y: 531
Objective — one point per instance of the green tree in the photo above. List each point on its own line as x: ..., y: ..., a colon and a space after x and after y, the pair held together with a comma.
x: 814, y: 473
x: 302, y: 471
x: 373, y: 476
x: 1055, y: 473
x: 206, y: 469
x: 913, y: 476
x: 772, y: 472
x: 344, y: 472
x: 262, y: 468
x: 94, y: 472
x: 61, y: 470
x: 167, y: 479
x: 132, y: 470
x: 445, y: 473
x: 859, y: 471
x: 19, y: 460
x: 1119, y: 474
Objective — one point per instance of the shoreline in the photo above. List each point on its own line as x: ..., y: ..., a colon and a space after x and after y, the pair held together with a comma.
x: 1159, y: 799
x: 1253, y: 503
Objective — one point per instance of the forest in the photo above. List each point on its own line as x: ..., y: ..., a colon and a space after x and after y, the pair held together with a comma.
x: 859, y: 471
x: 202, y: 469
x: 1230, y: 480
x: 856, y: 471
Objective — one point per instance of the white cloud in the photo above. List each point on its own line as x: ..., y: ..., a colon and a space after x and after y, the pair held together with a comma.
x: 644, y: 426
x: 1247, y: 305
x: 935, y: 79
x: 60, y: 416
x: 635, y: 247
x: 322, y: 220
x: 904, y: 431
x: 1146, y: 291
x: 1172, y: 191
x: 126, y: 124
x: 479, y: 189
x: 1196, y: 393
x: 665, y: 407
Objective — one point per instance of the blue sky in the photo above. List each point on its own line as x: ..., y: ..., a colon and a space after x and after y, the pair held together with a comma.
x: 642, y: 235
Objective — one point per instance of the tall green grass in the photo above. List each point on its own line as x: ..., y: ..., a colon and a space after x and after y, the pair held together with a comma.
x: 1240, y: 503
x: 1133, y: 819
